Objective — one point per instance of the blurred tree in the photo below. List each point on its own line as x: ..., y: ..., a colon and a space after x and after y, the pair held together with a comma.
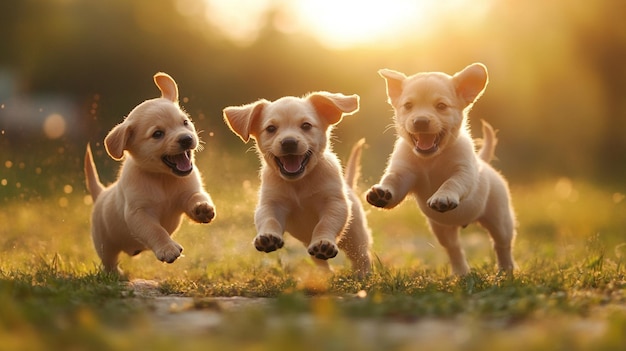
x: 556, y: 74
x: 601, y: 34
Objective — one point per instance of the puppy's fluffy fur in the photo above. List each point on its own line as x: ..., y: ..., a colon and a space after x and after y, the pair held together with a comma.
x: 302, y: 190
x: 434, y: 159
x: 158, y: 181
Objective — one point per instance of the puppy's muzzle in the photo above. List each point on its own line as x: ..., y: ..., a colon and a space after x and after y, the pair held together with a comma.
x: 186, y: 142
x: 291, y: 164
x: 289, y: 145
x: 181, y: 163
x: 425, y: 141
x: 421, y: 124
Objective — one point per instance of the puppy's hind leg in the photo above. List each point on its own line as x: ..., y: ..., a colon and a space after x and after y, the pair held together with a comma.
x: 359, y: 256
x: 499, y: 220
x: 356, y: 245
x: 502, y: 231
x: 109, y: 258
x: 108, y: 255
x: 448, y: 237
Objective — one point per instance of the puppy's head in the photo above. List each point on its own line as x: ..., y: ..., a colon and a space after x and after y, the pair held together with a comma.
x: 291, y: 133
x: 157, y: 133
x: 430, y: 108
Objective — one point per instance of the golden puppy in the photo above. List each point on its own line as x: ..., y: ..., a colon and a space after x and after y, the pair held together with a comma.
x: 303, y: 191
x: 158, y: 181
x: 435, y: 160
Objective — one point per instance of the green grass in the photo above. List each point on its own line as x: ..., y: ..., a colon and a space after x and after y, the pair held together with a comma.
x: 569, y: 293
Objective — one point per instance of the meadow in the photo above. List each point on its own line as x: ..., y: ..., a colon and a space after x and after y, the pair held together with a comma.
x: 568, y: 294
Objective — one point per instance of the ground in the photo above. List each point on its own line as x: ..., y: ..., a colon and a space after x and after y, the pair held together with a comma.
x: 569, y: 291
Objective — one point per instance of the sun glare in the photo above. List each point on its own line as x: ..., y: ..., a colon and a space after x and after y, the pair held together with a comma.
x: 355, y: 22
x: 344, y: 23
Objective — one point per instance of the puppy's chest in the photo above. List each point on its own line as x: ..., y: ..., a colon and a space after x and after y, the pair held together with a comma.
x: 430, y: 177
x: 304, y: 206
x: 301, y: 221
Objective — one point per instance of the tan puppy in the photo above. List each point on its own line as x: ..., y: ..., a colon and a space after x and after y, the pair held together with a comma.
x: 434, y: 159
x: 158, y: 181
x: 303, y: 191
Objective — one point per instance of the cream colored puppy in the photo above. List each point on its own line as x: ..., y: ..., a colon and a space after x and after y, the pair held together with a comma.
x: 158, y: 181
x: 302, y: 190
x: 434, y: 159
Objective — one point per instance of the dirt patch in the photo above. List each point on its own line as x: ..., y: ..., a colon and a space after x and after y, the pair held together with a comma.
x: 187, y: 315
x: 172, y: 313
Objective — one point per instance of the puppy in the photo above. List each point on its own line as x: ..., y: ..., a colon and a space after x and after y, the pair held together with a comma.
x: 158, y: 181
x: 434, y: 159
x: 302, y: 190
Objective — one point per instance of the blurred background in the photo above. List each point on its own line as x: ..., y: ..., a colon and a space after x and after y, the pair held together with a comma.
x: 72, y: 69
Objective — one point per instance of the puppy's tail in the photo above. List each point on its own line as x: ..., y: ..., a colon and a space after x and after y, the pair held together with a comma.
x: 92, y: 180
x: 353, y: 167
x: 489, y: 142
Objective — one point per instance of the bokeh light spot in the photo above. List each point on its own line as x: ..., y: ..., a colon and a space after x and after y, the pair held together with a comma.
x: 68, y: 189
x: 54, y: 126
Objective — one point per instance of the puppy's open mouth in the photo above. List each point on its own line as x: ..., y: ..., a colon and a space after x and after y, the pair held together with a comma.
x: 427, y: 143
x: 292, y: 166
x: 180, y: 164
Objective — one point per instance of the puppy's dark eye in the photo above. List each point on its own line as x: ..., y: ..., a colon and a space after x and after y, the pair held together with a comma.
x: 408, y: 106
x: 306, y: 126
x: 270, y: 129
x: 158, y: 134
x: 186, y: 122
x: 441, y: 106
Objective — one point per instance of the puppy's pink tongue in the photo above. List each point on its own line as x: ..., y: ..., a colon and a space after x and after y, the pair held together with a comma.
x: 426, y: 141
x: 183, y: 163
x: 291, y: 163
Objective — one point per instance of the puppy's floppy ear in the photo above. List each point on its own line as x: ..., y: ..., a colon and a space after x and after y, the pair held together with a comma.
x: 116, y: 141
x: 240, y: 119
x: 394, y: 80
x: 167, y: 86
x: 332, y: 107
x: 470, y: 83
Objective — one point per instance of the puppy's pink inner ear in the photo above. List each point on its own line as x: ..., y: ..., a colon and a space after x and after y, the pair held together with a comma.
x: 471, y: 82
x: 393, y: 81
x: 241, y: 119
x: 116, y: 141
x: 332, y: 107
x: 167, y: 86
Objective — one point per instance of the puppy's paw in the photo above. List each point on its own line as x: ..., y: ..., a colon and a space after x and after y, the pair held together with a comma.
x: 443, y: 203
x: 169, y: 253
x: 378, y: 196
x: 268, y: 242
x: 203, y: 212
x: 323, y: 249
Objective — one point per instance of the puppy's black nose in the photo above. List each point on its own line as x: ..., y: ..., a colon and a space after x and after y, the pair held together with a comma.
x: 289, y: 145
x: 185, y: 141
x: 421, y: 123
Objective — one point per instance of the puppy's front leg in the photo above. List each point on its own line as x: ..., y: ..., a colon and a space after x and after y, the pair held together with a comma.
x: 145, y: 228
x: 450, y: 193
x: 200, y: 208
x: 396, y: 182
x: 333, y: 220
x: 270, y: 223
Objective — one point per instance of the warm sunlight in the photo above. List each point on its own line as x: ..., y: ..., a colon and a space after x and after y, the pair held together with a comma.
x: 344, y: 23
x: 355, y: 22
